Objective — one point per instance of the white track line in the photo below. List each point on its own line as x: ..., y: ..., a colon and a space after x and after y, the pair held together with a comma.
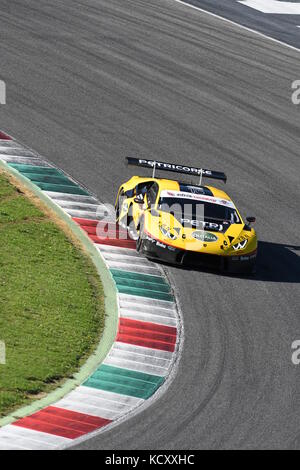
x: 214, y: 15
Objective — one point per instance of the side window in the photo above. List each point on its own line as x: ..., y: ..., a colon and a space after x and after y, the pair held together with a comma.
x: 139, y: 189
x: 152, y: 194
x: 142, y: 188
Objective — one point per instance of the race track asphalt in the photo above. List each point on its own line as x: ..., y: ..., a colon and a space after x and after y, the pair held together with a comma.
x: 91, y: 81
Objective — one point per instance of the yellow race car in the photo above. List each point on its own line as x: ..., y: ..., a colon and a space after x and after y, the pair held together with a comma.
x: 186, y: 224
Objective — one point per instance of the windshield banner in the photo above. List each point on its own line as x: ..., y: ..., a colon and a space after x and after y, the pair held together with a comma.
x: 196, y: 197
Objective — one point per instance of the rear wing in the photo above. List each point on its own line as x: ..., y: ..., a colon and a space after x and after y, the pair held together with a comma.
x: 184, y: 169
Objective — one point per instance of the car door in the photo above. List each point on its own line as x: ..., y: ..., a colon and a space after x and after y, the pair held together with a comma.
x: 125, y: 199
x: 148, y: 197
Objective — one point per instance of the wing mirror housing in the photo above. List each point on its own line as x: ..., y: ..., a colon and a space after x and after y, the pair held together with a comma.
x: 251, y: 220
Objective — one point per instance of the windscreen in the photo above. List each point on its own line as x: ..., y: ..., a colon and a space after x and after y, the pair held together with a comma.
x: 200, y: 212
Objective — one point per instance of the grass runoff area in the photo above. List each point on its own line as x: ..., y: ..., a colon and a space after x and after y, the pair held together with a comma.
x: 51, y: 301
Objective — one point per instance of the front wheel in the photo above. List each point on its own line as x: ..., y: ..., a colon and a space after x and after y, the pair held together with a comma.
x: 119, y: 205
x: 140, y: 240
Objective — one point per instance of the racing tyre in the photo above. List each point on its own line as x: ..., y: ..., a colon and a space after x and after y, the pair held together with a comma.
x: 140, y: 240
x: 118, y: 205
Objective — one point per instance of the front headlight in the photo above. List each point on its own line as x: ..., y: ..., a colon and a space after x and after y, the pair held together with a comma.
x: 169, y: 233
x: 240, y: 246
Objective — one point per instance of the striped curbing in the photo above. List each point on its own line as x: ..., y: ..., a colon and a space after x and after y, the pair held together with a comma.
x: 144, y: 352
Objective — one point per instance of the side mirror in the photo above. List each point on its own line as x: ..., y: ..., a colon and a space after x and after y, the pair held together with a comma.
x: 251, y: 220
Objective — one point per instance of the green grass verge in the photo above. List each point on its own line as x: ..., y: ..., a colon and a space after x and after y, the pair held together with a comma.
x: 51, y: 302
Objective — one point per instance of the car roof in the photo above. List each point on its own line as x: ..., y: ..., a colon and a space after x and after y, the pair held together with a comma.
x: 175, y: 185
x: 188, y: 187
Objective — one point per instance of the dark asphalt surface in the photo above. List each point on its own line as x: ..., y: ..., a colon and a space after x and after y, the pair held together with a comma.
x: 277, y: 26
x: 92, y: 81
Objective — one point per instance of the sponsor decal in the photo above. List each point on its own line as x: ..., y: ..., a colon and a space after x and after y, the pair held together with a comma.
x: 243, y: 237
x: 149, y: 239
x: 204, y: 225
x: 159, y: 243
x: 243, y: 258
x: 162, y: 245
x: 176, y: 168
x: 170, y: 166
x: 241, y: 245
x: 196, y: 197
x: 168, y: 232
x: 204, y: 236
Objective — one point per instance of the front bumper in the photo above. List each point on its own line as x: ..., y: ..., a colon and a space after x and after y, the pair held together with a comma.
x: 155, y: 249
